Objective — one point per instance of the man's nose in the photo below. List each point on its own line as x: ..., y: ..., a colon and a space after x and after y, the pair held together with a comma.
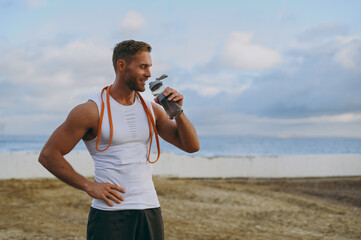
x: 147, y: 73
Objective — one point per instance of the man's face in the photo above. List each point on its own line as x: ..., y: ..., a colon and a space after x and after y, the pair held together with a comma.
x: 137, y: 71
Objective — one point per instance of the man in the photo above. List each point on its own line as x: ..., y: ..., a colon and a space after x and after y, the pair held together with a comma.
x: 125, y: 204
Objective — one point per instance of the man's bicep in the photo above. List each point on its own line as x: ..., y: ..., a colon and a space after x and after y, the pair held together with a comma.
x: 65, y: 138
x: 167, y: 129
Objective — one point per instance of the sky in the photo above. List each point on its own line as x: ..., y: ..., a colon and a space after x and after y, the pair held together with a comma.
x: 249, y: 68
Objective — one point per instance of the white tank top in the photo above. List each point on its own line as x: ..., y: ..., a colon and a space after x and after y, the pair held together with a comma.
x: 124, y: 163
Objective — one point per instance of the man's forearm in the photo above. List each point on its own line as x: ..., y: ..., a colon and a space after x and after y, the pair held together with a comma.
x: 187, y: 134
x: 60, y: 168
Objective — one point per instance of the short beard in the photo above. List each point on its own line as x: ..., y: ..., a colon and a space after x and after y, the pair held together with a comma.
x: 131, y: 83
x: 133, y: 86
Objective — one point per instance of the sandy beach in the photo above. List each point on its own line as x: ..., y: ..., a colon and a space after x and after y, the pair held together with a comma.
x: 237, y: 208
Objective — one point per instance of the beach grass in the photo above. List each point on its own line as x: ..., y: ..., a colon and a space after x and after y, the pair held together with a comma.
x: 314, y: 208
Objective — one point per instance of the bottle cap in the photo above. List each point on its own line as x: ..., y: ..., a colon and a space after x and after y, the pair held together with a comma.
x: 162, y: 77
x: 157, y: 83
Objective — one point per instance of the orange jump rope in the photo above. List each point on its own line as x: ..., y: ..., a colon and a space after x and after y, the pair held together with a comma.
x: 151, y: 123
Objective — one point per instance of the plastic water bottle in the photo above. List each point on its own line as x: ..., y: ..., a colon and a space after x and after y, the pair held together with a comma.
x: 171, y: 108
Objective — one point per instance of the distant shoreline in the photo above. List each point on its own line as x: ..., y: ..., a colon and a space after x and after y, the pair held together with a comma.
x: 198, y: 155
x: 222, y: 146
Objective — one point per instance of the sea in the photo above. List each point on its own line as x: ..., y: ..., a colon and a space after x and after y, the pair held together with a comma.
x: 212, y: 146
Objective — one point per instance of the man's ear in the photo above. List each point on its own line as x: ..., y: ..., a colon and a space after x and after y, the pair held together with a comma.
x: 121, y: 65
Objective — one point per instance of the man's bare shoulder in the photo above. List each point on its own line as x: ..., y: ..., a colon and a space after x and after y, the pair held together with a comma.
x: 158, y: 111
x: 89, y: 107
x: 84, y: 114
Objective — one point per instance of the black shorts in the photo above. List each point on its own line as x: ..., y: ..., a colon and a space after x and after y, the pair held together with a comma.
x: 125, y: 224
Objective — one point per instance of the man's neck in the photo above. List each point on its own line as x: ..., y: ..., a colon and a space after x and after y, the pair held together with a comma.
x: 122, y: 94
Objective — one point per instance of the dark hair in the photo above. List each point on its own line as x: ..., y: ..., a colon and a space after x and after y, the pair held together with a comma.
x: 127, y: 49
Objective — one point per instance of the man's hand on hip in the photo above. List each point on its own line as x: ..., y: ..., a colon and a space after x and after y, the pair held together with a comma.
x: 106, y: 192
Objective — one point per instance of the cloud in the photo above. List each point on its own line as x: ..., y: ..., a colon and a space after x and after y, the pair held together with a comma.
x: 317, y: 85
x: 320, y: 80
x: 340, y: 118
x: 349, y: 54
x: 231, y: 70
x: 242, y: 54
x: 325, y: 30
x: 56, y: 77
x: 221, y: 83
x: 313, y: 91
x: 132, y: 23
x: 216, y: 121
x: 83, y: 59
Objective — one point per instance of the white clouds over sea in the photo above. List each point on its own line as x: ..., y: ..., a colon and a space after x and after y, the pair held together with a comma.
x: 246, y: 68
